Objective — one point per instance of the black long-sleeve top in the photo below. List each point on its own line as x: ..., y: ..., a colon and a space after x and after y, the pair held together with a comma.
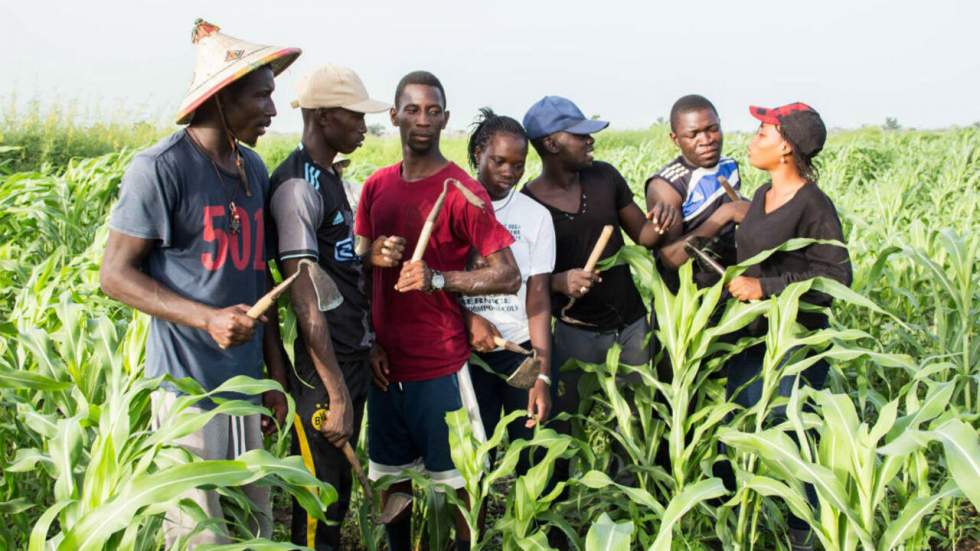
x: 809, y: 213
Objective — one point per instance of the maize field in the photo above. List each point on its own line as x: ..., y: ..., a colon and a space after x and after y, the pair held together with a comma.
x: 891, y: 445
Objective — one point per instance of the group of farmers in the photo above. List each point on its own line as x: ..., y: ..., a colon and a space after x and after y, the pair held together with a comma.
x: 200, y: 222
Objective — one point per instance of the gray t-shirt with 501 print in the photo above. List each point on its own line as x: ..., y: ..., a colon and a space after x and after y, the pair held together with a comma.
x: 173, y: 194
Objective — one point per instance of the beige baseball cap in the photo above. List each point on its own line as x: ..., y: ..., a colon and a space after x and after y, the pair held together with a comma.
x: 334, y: 86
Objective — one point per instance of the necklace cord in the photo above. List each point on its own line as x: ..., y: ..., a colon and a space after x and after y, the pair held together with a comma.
x: 233, y: 142
x: 236, y: 221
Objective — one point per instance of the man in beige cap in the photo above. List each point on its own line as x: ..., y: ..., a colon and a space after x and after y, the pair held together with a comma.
x: 313, y: 216
x: 186, y: 246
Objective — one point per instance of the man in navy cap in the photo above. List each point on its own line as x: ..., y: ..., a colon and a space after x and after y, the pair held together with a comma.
x: 594, y: 311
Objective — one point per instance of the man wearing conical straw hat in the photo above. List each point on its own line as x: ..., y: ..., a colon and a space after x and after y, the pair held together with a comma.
x: 313, y: 215
x: 187, y: 246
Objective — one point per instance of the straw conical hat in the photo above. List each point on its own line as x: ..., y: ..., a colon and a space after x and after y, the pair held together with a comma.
x: 223, y: 59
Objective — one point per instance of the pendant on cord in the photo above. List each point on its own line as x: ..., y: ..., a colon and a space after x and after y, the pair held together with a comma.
x: 236, y: 220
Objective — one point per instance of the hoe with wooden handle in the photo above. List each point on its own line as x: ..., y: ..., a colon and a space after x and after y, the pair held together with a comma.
x: 327, y: 295
x: 430, y: 220
x: 527, y: 373
x: 705, y: 258
x: 267, y: 300
x: 600, y: 245
x: 394, y: 506
x: 396, y: 503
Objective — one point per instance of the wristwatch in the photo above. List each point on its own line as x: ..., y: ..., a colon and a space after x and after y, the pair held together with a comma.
x: 438, y: 281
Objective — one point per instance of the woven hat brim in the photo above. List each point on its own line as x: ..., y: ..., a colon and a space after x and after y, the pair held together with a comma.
x: 277, y: 59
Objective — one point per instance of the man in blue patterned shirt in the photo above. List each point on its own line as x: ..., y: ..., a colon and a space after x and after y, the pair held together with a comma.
x: 690, y: 183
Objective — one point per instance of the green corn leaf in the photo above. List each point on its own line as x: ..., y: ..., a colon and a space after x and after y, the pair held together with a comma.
x: 962, y: 445
x: 28, y: 379
x: 39, y: 533
x: 936, y: 402
x: 606, y: 535
x: 252, y: 545
x: 681, y: 503
x: 908, y: 522
x: 26, y: 460
x: 65, y: 448
x: 598, y: 480
x: 16, y: 506
x: 463, y: 448
x: 90, y: 532
x: 773, y: 445
x: 886, y: 420
x: 536, y: 542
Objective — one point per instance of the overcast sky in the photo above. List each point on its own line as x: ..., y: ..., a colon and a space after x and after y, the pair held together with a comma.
x: 857, y: 62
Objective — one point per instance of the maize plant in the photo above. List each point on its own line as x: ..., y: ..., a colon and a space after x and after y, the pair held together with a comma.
x: 80, y: 390
x: 889, y: 446
x: 855, y: 471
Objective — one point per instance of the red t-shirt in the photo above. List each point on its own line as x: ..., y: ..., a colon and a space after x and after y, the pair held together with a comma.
x: 423, y: 333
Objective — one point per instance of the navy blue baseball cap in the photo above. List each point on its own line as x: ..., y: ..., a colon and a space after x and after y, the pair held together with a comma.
x: 557, y: 114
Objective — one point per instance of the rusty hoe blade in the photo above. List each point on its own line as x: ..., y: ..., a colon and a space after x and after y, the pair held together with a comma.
x: 527, y: 373
x: 395, y: 507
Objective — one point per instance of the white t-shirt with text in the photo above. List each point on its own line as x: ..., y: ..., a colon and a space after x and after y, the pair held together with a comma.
x: 533, y: 249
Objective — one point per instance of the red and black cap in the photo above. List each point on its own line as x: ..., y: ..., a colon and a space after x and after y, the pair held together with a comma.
x: 799, y: 123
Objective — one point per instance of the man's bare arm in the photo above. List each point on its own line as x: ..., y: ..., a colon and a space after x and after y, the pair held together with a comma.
x: 312, y: 324
x: 672, y: 252
x: 121, y: 278
x: 273, y: 352
x: 499, y: 277
x: 650, y: 229
x: 276, y: 363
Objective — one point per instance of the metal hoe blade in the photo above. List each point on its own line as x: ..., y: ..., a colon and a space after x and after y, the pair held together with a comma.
x: 328, y: 296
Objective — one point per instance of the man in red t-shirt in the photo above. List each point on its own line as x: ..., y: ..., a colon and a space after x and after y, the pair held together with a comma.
x: 416, y: 312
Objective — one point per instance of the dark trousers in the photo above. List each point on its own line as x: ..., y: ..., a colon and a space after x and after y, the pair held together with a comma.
x: 496, y: 397
x: 322, y: 458
x: 744, y: 367
x: 570, y: 342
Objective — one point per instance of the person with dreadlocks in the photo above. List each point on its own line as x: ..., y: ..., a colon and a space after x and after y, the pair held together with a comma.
x: 497, y: 150
x: 415, y: 307
x: 313, y: 217
x: 691, y: 183
x: 187, y: 246
x: 789, y: 206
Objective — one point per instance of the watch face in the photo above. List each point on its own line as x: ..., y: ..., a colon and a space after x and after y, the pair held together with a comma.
x: 438, y: 281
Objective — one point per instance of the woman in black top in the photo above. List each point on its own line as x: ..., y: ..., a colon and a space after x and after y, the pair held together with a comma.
x: 790, y: 205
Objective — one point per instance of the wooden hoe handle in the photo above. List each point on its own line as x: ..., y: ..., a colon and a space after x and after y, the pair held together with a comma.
x: 600, y: 245
x: 269, y: 299
x: 355, y: 463
x: 430, y: 222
